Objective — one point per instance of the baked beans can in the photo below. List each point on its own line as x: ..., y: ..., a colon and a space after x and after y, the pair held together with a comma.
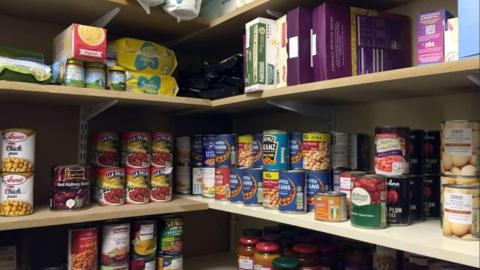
x: 296, y: 152
x: 110, y: 188
x: 270, y: 189
x: 330, y: 206
x: 391, y: 155
x: 105, y: 148
x: 70, y: 187
x: 160, y: 185
x: 182, y: 179
x: 359, y: 152
x: 197, y: 179
x: 340, y: 150
x: 137, y: 185
x: 416, y: 142
x: 292, y: 192
x: 170, y: 262
x: 16, y: 194
x: 369, y: 201
x: 316, y: 151
x: 236, y: 186
x: 431, y: 152
x: 208, y: 150
x: 136, y: 148
x: 398, y: 200
x: 460, y: 144
x: 143, y: 263
x: 144, y: 240
x: 226, y: 150
x: 197, y: 149
x: 257, y: 151
x: 275, y: 150
x: 208, y: 182
x: 252, y: 184
x: 18, y: 150
x: 416, y: 200
x: 316, y: 181
x: 431, y: 195
x: 245, y: 151
x: 115, y: 245
x: 183, y: 150
x: 222, y: 183
x: 162, y: 151
x: 346, y: 186
x: 83, y: 248
x: 170, y: 236
x: 461, y: 212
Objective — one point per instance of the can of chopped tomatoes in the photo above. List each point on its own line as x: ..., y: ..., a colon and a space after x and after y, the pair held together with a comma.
x: 252, y: 182
x: 138, y: 185
x: 257, y: 151
x: 398, y: 200
x: 162, y: 151
x: 291, y: 192
x: 208, y: 151
x: 105, y: 147
x: 197, y: 146
x: 369, y: 201
x: 236, y: 187
x: 431, y: 195
x: 270, y: 189
x: 222, y: 183
x: 225, y: 150
x: 296, y: 151
x: 431, y: 152
x: 316, y: 181
x: 416, y: 203
x: 83, y: 248
x: 391, y: 155
x: 110, y: 188
x: 136, y: 148
x: 416, y: 141
x: 161, y: 185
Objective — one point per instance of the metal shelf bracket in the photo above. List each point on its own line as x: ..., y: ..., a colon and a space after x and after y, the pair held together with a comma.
x: 107, y: 18
x: 475, y: 78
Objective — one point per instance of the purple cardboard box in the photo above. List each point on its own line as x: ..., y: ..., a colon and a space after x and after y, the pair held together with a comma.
x: 430, y: 36
x: 331, y: 42
x: 299, y: 64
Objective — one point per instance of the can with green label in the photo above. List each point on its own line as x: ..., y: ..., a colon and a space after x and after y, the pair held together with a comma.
x: 170, y: 236
x: 369, y: 201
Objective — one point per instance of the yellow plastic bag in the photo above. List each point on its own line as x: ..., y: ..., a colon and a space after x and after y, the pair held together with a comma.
x: 148, y: 83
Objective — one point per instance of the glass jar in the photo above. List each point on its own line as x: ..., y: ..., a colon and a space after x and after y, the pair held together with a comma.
x: 252, y: 232
x: 265, y: 253
x: 327, y: 255
x: 307, y: 255
x: 74, y: 73
x: 117, y: 78
x: 246, y: 252
x: 271, y: 234
x: 286, y: 263
x: 95, y: 75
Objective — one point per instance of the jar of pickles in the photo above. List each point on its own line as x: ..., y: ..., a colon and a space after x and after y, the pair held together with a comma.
x: 286, y: 263
x: 117, y: 78
x: 265, y: 253
x: 74, y: 73
x: 95, y: 75
x: 307, y: 255
x: 246, y: 252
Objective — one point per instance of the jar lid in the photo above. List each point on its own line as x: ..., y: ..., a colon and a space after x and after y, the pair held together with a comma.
x: 249, y: 240
x: 251, y: 232
x: 116, y: 68
x: 267, y: 246
x: 95, y: 65
x: 305, y: 249
x: 75, y: 62
x: 286, y: 262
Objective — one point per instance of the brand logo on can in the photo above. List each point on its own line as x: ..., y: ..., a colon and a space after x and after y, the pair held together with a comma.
x: 137, y: 173
x: 12, y: 179
x: 360, y: 197
x: 15, y: 136
x: 116, y: 173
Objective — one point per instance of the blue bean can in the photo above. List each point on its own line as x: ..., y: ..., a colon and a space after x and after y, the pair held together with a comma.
x: 257, y: 151
x: 252, y: 182
x: 316, y: 181
x: 292, y: 191
x: 208, y: 151
x: 236, y: 185
x: 276, y: 156
x: 225, y: 150
x: 197, y: 148
x: 296, y: 147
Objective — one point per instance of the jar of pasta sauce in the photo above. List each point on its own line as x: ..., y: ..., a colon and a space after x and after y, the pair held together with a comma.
x: 265, y: 253
x: 307, y: 254
x: 246, y: 252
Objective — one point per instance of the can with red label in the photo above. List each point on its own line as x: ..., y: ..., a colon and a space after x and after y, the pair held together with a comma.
x: 369, y: 201
x: 346, y: 185
x: 316, y: 151
x: 431, y: 152
x: 431, y: 195
x: 391, y: 155
x: 161, y: 185
x: 162, y: 151
x: 236, y: 187
x: 82, y: 248
x: 222, y: 183
x: 415, y: 150
x: 136, y: 148
x: 270, y: 189
x: 398, y: 200
x: 115, y: 245
x: 138, y: 185
x: 110, y: 189
x: 105, y: 147
x: 416, y: 201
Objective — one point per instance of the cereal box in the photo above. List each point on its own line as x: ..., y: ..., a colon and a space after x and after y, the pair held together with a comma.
x: 299, y: 25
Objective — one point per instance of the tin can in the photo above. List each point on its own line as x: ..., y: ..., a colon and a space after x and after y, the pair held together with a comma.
x: 208, y: 151
x: 340, y: 150
x: 143, y: 263
x: 183, y: 150
x: 336, y: 178
x: 398, y: 200
x: 296, y: 151
x: 431, y: 195
x: 257, y: 151
x: 346, y: 186
x: 245, y: 151
x: 105, y: 147
x: 391, y: 155
x: 455, y: 179
x: 197, y: 149
x: 110, y: 188
x: 316, y: 151
x: 252, y: 182
x: 236, y: 187
x: 460, y: 144
x: 222, y: 183
x: 316, y: 181
x: 226, y: 150
x: 170, y: 262
x: 170, y: 236
x: 369, y: 201
x: 16, y: 194
x: 136, y: 148
x: 144, y: 238
x: 82, y: 248
x: 359, y: 152
x: 162, y: 151
x: 431, y: 152
x: 331, y: 206
x: 461, y: 212
x: 416, y: 200
x: 275, y: 150
x: 292, y: 192
x: 18, y: 150
x: 182, y: 179
x: 208, y: 184
x: 115, y: 245
x: 70, y: 188
x: 416, y: 142
x: 197, y: 179
x: 270, y: 189
x: 138, y: 185
x: 161, y: 185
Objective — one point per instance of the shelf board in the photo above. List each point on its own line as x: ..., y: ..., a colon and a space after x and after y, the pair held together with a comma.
x: 218, y: 261
x: 44, y: 217
x: 424, y: 238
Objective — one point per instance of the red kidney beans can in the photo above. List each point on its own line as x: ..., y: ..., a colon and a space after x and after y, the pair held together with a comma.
x: 105, y: 147
x: 292, y: 192
x: 359, y: 152
x: 416, y: 201
x: 222, y: 183
x: 257, y: 151
x: 398, y: 200
x: 316, y: 182
x: 391, y: 155
x: 136, y: 148
x: 346, y: 186
x: 160, y: 185
x: 162, y: 151
x: 369, y: 201
x: 431, y: 195
x: 197, y: 146
x: 431, y: 152
x: 138, y: 185
x: 208, y: 151
x: 296, y: 150
x: 415, y: 150
x: 225, y: 150
x: 236, y: 187
x: 70, y: 188
x: 252, y: 182
x: 83, y: 248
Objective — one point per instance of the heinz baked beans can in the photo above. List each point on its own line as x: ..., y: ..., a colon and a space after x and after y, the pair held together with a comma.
x: 83, y: 248
x: 197, y: 149
x: 225, y: 150
x: 252, y: 182
x: 431, y: 195
x: 359, y: 152
x: 16, y: 194
x: 115, y: 245
x: 461, y: 212
x: 105, y: 148
x: 340, y: 150
x: 391, y: 155
x: 110, y: 188
x: 415, y: 147
x: 245, y: 151
x: 316, y: 181
x: 18, y: 150
x: 161, y: 185
x: 170, y: 236
x: 208, y: 150
x: 183, y: 179
x: 275, y: 150
x: 296, y: 151
x: 369, y: 201
x: 138, y: 185
x: 270, y: 189
x: 162, y: 151
x: 236, y: 186
x: 257, y: 151
x: 70, y: 187
x: 330, y: 206
x: 208, y: 182
x: 197, y: 179
x: 136, y: 149
x: 398, y: 200
x: 222, y: 183
x: 316, y: 151
x: 292, y: 192
x: 346, y: 186
x: 416, y: 201
x: 431, y: 152
x: 144, y: 241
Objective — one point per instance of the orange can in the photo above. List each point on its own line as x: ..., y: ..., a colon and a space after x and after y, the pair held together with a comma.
x: 331, y: 206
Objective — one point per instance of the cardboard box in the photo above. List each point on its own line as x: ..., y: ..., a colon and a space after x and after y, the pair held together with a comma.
x: 331, y: 42
x: 300, y: 64
x: 431, y: 36
x: 354, y: 12
x: 281, y: 67
x: 469, y: 28
x: 451, y: 40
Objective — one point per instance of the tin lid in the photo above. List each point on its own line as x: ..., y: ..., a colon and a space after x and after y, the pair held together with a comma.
x: 116, y: 68
x: 267, y: 246
x: 305, y: 248
x: 404, y: 176
x: 462, y: 186
x: 249, y: 240
x: 94, y: 65
x: 75, y: 62
x: 371, y: 176
x: 461, y: 176
x: 286, y: 262
x: 352, y: 173
x: 275, y: 131
x: 330, y: 194
x: 392, y: 127
x: 251, y: 232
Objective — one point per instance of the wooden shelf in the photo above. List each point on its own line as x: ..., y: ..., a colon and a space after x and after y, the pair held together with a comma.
x: 44, y: 217
x: 424, y: 238
x: 218, y: 261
